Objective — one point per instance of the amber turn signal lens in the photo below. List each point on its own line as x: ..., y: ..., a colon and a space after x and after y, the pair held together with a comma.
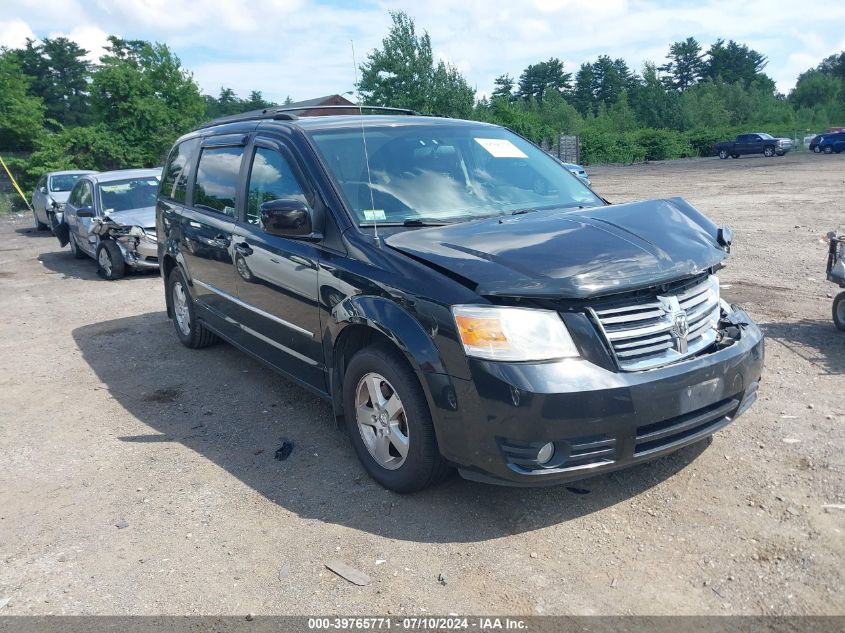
x: 480, y: 332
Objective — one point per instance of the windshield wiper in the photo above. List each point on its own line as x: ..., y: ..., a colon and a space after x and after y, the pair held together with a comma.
x: 423, y: 222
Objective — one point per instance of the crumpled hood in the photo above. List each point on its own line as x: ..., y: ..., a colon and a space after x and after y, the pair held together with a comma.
x: 60, y: 196
x: 575, y: 255
x: 145, y: 217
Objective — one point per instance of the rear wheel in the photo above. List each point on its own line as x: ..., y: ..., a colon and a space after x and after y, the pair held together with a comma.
x: 389, y: 422
x: 190, y: 330
x: 723, y: 154
x: 768, y: 152
x: 839, y: 311
x: 828, y: 149
x: 77, y: 252
x: 110, y: 262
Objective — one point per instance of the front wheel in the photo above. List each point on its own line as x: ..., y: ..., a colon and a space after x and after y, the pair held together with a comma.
x: 723, y: 154
x: 389, y: 422
x: 768, y: 152
x: 817, y: 149
x: 839, y: 311
x: 110, y: 262
x: 828, y: 149
x: 39, y: 225
x: 191, y: 332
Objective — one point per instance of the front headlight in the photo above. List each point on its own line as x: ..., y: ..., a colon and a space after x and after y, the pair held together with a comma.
x: 726, y: 307
x: 513, y: 334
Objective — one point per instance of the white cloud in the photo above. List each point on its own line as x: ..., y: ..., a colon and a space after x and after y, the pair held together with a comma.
x: 14, y: 33
x: 301, y: 48
x: 89, y: 37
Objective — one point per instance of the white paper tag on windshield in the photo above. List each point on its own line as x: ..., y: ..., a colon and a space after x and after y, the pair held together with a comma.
x: 501, y: 148
x: 372, y: 215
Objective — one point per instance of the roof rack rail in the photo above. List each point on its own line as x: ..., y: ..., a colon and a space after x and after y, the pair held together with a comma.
x: 287, y: 113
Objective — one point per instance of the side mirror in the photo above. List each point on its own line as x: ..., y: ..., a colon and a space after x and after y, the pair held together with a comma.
x: 43, y: 190
x: 286, y: 217
x: 85, y: 212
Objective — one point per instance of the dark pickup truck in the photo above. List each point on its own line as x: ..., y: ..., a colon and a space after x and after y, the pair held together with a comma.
x: 756, y: 143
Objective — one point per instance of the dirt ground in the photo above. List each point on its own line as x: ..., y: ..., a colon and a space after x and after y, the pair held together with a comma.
x: 138, y: 477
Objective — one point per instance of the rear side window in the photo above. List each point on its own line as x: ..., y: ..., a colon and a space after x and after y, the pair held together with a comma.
x: 176, y: 173
x: 217, y: 179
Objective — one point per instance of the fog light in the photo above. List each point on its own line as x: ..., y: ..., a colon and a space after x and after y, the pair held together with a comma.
x: 546, y: 453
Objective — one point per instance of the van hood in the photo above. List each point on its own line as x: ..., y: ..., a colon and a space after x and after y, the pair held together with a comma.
x: 144, y: 217
x: 571, y: 254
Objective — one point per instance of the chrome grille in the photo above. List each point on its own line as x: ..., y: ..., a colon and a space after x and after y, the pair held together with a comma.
x: 662, y: 330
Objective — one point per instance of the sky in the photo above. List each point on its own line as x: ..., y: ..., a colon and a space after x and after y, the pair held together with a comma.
x: 303, y: 48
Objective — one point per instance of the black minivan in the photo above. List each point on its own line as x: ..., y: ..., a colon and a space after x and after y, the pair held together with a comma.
x: 460, y: 298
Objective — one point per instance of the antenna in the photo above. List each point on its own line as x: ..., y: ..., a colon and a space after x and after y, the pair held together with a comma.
x: 364, y: 139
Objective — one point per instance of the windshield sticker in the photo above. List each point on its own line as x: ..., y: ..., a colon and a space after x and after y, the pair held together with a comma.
x: 372, y: 215
x: 500, y: 148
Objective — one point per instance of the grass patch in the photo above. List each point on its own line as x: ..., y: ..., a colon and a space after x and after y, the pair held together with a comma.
x: 10, y: 202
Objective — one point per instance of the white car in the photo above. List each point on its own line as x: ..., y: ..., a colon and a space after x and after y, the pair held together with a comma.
x: 50, y: 196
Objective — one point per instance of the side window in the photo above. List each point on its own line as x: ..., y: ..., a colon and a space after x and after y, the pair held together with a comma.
x: 86, y: 197
x: 217, y: 179
x: 174, y: 184
x: 76, y: 194
x: 41, y: 183
x: 270, y: 178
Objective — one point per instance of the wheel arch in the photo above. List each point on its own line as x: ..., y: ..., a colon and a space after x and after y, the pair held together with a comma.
x: 362, y: 321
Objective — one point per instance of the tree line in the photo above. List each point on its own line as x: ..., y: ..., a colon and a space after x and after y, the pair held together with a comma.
x: 126, y: 110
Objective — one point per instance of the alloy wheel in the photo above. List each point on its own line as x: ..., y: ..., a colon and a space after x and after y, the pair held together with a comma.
x: 180, y: 308
x: 381, y: 421
x: 104, y: 259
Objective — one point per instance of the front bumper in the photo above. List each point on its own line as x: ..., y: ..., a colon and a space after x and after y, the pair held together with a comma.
x: 598, y: 420
x: 145, y: 256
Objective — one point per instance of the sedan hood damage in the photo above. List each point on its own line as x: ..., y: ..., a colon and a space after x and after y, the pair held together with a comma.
x: 572, y: 254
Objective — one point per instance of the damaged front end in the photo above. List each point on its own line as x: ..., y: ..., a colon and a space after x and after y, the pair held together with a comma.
x: 137, y: 244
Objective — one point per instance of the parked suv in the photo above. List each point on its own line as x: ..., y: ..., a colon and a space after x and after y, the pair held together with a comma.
x: 829, y: 143
x: 457, y: 297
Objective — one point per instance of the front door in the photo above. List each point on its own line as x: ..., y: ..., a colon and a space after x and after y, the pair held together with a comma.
x: 79, y: 228
x: 277, y: 276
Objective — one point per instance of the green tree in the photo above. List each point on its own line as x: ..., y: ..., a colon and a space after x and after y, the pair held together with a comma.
x: 655, y: 107
x: 504, y: 87
x: 583, y: 97
x: 141, y: 93
x: 60, y: 76
x: 403, y: 74
x: 733, y: 62
x: 538, y: 79
x: 685, y: 65
x: 21, y: 114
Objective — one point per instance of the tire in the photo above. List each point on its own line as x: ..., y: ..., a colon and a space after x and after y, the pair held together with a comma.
x: 77, y: 252
x: 723, y: 154
x: 110, y: 262
x: 39, y: 225
x: 191, y: 332
x: 768, y: 152
x: 828, y: 149
x: 817, y: 149
x: 422, y: 465
x: 839, y: 311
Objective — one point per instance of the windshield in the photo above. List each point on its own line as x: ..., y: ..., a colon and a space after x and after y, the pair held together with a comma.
x: 133, y: 193
x: 445, y: 173
x: 63, y: 182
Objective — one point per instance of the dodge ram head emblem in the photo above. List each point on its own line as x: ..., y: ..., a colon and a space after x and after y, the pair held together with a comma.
x: 678, y: 318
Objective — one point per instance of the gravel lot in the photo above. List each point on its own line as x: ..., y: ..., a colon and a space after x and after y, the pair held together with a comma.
x: 138, y: 476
